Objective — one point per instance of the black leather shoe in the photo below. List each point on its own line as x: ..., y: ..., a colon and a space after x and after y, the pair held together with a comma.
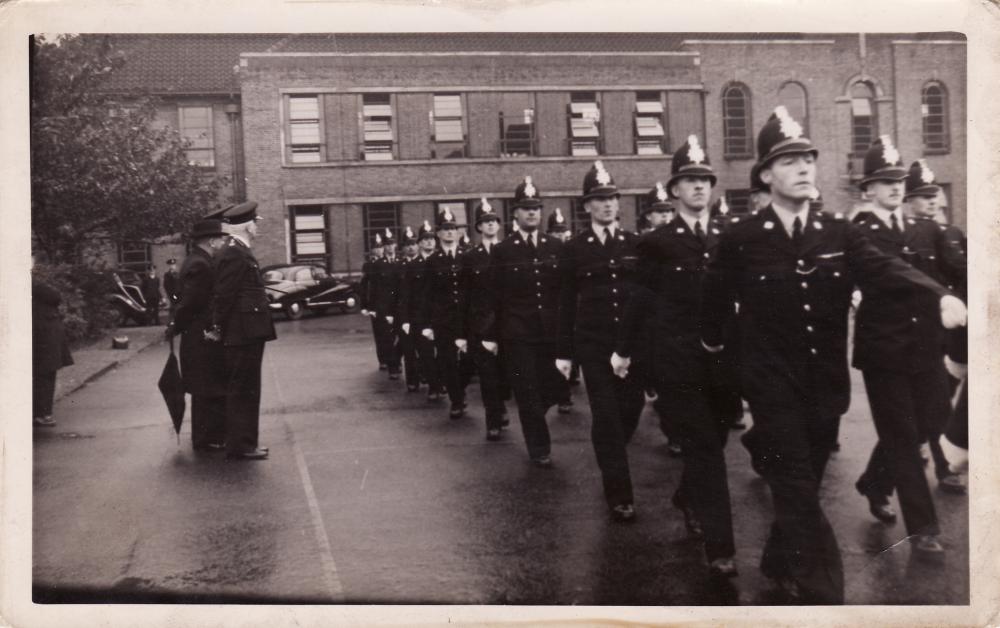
x: 737, y: 424
x: 723, y: 568
x: 883, y: 511
x: 393, y: 376
x: 493, y: 434
x: 691, y: 521
x: 543, y: 462
x: 209, y: 447
x: 504, y: 422
x: 433, y: 396
x: 412, y: 388
x: 790, y: 590
x: 253, y: 454
x: 953, y: 483
x: 928, y: 546
x: 457, y: 411
x: 624, y: 513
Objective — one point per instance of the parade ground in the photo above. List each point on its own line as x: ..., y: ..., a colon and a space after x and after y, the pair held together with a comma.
x: 372, y: 495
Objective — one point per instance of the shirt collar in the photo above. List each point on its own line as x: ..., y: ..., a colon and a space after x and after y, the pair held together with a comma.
x: 885, y: 216
x: 787, y: 218
x: 239, y: 239
x: 690, y: 221
x: 448, y: 251
x: 599, y: 230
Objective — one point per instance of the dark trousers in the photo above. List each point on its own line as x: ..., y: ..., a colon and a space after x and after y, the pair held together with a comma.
x: 701, y: 431
x: 906, y: 408
x: 153, y: 314
x: 379, y: 346
x: 532, y: 373
x: 449, y: 367
x: 427, y: 361
x: 958, y: 426
x: 385, y: 335
x: 615, y: 406
x: 43, y: 391
x: 408, y: 351
x: 208, y: 420
x: 243, y: 365
x: 490, y: 383
x: 801, y: 544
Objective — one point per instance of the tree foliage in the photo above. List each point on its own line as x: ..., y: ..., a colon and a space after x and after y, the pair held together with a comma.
x: 101, y: 168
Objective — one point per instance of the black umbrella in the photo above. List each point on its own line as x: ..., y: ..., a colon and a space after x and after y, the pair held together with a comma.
x: 172, y: 388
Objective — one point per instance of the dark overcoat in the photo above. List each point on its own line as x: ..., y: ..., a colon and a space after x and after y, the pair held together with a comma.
x: 240, y: 306
x: 202, y: 361
x: 49, y: 346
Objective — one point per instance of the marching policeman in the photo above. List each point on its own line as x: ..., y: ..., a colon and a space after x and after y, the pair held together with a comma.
x: 597, y: 268
x: 556, y: 227
x: 407, y: 347
x: 792, y: 273
x: 385, y: 286
x: 475, y: 319
x: 413, y: 291
x: 203, y: 363
x: 921, y: 197
x: 673, y: 260
x: 524, y: 294
x: 367, y: 297
x: 441, y: 316
x: 899, y: 346
x: 242, y: 321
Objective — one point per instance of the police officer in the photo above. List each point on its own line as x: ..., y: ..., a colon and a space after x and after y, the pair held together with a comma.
x: 151, y: 295
x: 474, y: 319
x: 792, y: 273
x: 407, y: 348
x: 203, y: 363
x: 656, y: 211
x: 171, y: 284
x: 556, y: 227
x: 441, y: 316
x: 524, y: 294
x: 672, y: 262
x: 385, y: 286
x: 413, y: 291
x: 369, y: 280
x: 242, y: 321
x: 597, y: 268
x: 899, y: 346
x: 921, y: 199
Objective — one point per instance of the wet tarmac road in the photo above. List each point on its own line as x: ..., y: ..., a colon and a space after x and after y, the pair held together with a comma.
x: 372, y: 495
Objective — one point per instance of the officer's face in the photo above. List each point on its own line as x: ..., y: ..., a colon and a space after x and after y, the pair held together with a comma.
x: 489, y: 228
x: 924, y: 206
x: 791, y: 177
x: 252, y: 228
x: 377, y: 251
x: 390, y: 250
x: 528, y: 219
x: 427, y: 244
x: 410, y: 250
x: 603, y: 209
x: 448, y: 236
x: 693, y: 192
x: 656, y: 219
x: 886, y: 194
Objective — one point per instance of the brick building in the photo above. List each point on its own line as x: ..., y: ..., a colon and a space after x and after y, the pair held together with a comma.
x: 338, y: 136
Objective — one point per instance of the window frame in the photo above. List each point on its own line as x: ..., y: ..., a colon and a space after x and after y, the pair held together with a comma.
x: 130, y: 246
x: 579, y: 113
x: 738, y: 200
x: 376, y: 147
x: 210, y: 135
x: 737, y: 147
x: 294, y: 257
x: 462, y: 121
x: 945, y: 132
x: 369, y: 230
x: 857, y: 150
x: 661, y: 140
x: 290, y: 123
x: 504, y: 127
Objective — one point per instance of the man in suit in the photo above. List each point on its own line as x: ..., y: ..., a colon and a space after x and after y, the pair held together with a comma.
x: 441, y: 315
x: 413, y: 291
x: 202, y: 361
x: 899, y: 346
x: 524, y: 294
x: 597, y: 276
x: 474, y: 319
x: 792, y: 273
x: 367, y: 289
x: 242, y: 321
x: 384, y: 288
x: 672, y: 261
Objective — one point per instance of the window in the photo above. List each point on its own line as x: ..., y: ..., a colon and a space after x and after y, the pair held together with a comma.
x: 578, y: 216
x: 864, y: 123
x: 739, y: 199
x: 135, y: 256
x: 934, y: 111
x: 308, y: 234
x: 517, y: 124
x: 376, y: 111
x: 304, y: 133
x: 584, y: 125
x: 196, y: 129
x: 793, y: 96
x: 736, y: 129
x: 649, y: 134
x: 449, y: 130
x: 458, y: 209
x: 377, y: 218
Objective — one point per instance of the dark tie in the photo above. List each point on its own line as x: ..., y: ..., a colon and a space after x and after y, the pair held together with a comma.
x: 607, y: 237
x: 699, y: 232
x: 894, y: 224
x: 531, y: 244
x: 797, y: 230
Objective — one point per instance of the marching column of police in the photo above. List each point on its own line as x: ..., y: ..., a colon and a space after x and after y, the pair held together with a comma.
x: 702, y: 311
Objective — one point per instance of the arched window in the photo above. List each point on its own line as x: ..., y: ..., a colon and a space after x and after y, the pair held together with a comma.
x: 864, y: 122
x: 934, y: 111
x: 793, y: 96
x: 736, y: 130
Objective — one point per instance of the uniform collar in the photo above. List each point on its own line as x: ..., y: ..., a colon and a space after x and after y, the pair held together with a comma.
x: 787, y: 218
x: 885, y: 215
x: 599, y: 230
x: 690, y: 221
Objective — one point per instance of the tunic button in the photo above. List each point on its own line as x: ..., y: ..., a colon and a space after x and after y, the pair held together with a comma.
x: 801, y: 263
x: 762, y: 277
x: 706, y: 255
x: 614, y: 276
x: 807, y: 307
x: 539, y: 294
x: 614, y: 290
x: 616, y: 319
x: 805, y: 285
x: 914, y: 319
x: 836, y: 273
x: 539, y: 307
x: 809, y: 328
x: 812, y: 351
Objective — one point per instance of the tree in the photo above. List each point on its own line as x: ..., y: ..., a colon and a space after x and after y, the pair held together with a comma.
x: 100, y: 168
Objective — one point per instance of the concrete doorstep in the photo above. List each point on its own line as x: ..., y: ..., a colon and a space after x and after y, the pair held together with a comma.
x: 96, y: 359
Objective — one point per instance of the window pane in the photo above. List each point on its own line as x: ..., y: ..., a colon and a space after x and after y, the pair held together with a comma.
x: 586, y: 149
x: 303, y: 108
x: 372, y: 111
x: 310, y: 243
x: 305, y: 155
x: 735, y: 121
x: 308, y: 220
x: 200, y: 157
x: 378, y: 130
x: 584, y: 128
x: 307, y: 133
x: 448, y: 130
x: 649, y: 106
x: 449, y: 106
x: 648, y: 147
x: 861, y: 107
x: 649, y: 127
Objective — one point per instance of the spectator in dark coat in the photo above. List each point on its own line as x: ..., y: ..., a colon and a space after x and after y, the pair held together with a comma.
x: 151, y: 293
x: 49, y: 349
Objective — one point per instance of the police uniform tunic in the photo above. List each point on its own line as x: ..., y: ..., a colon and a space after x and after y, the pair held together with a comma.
x: 366, y: 298
x: 407, y: 347
x: 411, y: 305
x: 442, y: 314
x: 385, y: 285
x: 794, y: 298
x: 597, y: 280
x: 475, y: 318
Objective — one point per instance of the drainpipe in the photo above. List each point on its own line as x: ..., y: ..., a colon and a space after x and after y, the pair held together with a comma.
x: 233, y: 114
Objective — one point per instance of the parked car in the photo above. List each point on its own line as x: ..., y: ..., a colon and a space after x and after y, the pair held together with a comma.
x: 126, y: 298
x: 296, y: 288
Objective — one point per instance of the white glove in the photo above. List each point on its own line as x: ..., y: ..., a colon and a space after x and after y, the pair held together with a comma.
x: 564, y: 367
x: 620, y: 365
x: 856, y: 299
x: 389, y: 319
x: 406, y: 328
x: 428, y: 333
x: 372, y: 313
x: 462, y: 344
x: 492, y: 347
x: 364, y: 312
x: 956, y: 369
x: 714, y: 349
x: 953, y: 312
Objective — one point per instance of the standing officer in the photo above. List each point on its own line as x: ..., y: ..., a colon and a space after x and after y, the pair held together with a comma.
x: 657, y: 211
x: 203, y: 362
x: 672, y: 262
x: 557, y: 228
x: 369, y: 280
x: 385, y: 285
x: 899, y: 346
x: 475, y: 319
x: 151, y: 294
x: 597, y: 269
x: 792, y: 273
x: 242, y: 321
x: 413, y: 291
x: 524, y: 294
x: 407, y: 350
x: 171, y: 284
x: 441, y: 316
x: 921, y: 198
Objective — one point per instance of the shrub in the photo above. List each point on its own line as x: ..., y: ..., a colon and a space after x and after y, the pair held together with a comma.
x: 86, y: 313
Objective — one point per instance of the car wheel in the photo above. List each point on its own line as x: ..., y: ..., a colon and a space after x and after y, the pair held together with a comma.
x: 295, y: 310
x: 121, y: 316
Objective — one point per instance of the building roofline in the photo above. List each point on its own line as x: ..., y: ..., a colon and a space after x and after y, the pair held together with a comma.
x: 468, y: 53
x: 700, y: 42
x: 959, y: 42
